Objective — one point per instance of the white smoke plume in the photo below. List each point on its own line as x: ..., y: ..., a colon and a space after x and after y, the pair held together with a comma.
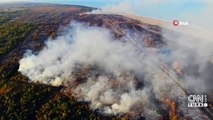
x: 192, y: 48
x: 110, y: 85
x: 110, y: 73
x: 194, y: 55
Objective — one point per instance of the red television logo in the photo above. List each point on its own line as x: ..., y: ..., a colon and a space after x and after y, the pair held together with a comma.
x: 177, y: 23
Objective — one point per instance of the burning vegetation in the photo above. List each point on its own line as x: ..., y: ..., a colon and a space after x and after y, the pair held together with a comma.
x: 101, y: 66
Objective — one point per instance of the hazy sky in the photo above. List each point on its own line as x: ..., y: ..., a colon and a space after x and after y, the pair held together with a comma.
x: 162, y: 9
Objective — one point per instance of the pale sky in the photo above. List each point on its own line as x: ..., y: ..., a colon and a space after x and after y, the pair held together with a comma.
x: 162, y: 9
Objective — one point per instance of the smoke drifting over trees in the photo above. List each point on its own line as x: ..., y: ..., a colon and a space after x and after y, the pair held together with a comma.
x: 113, y: 74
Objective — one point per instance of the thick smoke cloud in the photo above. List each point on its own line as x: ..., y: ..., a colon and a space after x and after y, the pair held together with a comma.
x: 82, y: 46
x: 191, y: 48
x: 115, y: 76
x: 194, y: 54
x: 110, y: 73
x: 115, y: 68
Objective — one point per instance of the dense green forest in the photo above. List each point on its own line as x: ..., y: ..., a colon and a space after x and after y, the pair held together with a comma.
x: 12, y: 34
